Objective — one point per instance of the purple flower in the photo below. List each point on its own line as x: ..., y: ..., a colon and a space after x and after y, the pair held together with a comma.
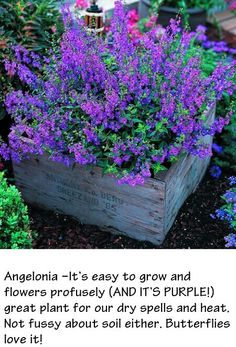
x: 201, y: 33
x: 230, y: 241
x: 201, y: 29
x: 216, y: 46
x: 217, y: 148
x: 146, y: 170
x: 230, y: 196
x: 232, y: 180
x: 224, y: 215
x: 215, y: 171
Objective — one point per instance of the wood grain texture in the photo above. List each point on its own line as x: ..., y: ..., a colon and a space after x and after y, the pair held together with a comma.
x: 94, y: 199
x: 226, y: 20
x: 145, y: 212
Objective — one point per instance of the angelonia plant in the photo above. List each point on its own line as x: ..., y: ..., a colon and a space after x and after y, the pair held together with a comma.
x: 130, y: 109
x: 220, y: 47
x: 224, y: 148
x: 224, y: 154
x: 228, y: 212
x: 30, y: 23
x: 14, y: 220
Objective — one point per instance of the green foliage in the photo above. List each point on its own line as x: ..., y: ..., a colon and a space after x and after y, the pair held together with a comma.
x: 14, y: 220
x: 227, y: 159
x: 227, y: 139
x: 29, y: 23
x: 184, y: 5
x: 210, y: 59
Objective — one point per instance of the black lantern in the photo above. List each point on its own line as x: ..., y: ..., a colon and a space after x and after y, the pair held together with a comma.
x: 94, y: 18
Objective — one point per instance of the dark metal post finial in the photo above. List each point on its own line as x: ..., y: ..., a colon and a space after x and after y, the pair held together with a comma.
x: 94, y: 18
x: 93, y: 6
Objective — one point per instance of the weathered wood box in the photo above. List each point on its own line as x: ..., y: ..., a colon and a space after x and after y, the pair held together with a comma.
x: 226, y: 20
x: 144, y: 212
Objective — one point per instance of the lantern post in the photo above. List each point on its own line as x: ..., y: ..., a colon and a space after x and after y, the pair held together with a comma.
x: 94, y: 18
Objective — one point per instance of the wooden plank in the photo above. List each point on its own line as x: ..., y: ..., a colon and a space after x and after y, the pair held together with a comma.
x: 94, y: 199
x: 226, y: 20
x: 223, y: 16
x: 144, y: 212
x: 183, y: 178
x: 192, y: 175
x: 229, y: 25
x: 220, y: 17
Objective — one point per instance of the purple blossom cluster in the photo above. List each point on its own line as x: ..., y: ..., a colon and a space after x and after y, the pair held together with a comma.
x: 230, y: 241
x: 228, y: 212
x: 217, y: 148
x: 216, y: 46
x: 130, y: 109
x: 215, y: 171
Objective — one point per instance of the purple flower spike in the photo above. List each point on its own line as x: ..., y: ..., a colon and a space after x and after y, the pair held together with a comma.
x: 215, y: 171
x: 230, y: 241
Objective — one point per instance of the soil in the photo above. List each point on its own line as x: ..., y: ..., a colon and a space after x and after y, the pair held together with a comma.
x: 193, y: 228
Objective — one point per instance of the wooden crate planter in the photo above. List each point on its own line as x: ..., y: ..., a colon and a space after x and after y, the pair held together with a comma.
x: 144, y: 212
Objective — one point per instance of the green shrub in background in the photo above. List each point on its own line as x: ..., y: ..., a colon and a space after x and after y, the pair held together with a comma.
x: 14, y: 220
x: 210, y: 6
x: 204, y: 4
x: 30, y: 23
